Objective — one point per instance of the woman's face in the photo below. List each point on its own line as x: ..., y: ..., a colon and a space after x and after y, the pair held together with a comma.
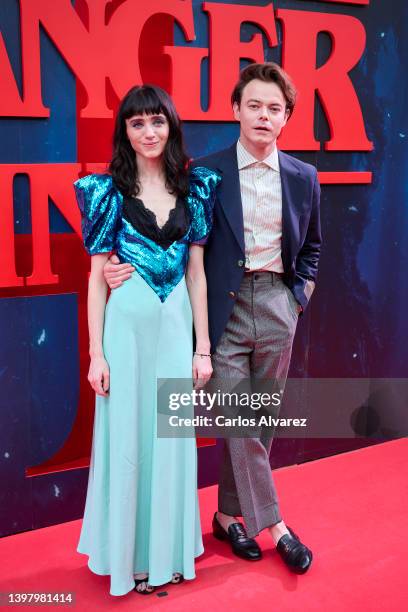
x: 148, y: 134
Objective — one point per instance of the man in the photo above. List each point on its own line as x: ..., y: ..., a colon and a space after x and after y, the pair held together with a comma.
x: 261, y: 263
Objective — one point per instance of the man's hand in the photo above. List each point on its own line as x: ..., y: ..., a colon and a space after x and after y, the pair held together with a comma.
x: 116, y: 273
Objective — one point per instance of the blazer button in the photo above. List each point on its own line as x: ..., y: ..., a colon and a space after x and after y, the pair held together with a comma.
x: 240, y: 262
x: 231, y: 294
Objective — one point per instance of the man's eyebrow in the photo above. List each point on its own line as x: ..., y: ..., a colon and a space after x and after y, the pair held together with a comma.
x: 276, y: 103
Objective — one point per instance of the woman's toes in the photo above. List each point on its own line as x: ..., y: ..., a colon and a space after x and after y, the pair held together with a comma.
x: 176, y: 578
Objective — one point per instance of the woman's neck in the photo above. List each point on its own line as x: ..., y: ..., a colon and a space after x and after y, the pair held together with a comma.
x: 150, y: 170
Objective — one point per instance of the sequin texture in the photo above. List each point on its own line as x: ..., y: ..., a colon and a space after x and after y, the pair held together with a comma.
x: 104, y: 229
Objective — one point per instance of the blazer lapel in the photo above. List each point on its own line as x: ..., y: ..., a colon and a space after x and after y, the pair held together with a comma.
x: 229, y: 194
x: 292, y: 197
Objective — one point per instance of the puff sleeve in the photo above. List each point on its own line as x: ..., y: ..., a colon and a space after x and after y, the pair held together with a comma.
x: 100, y: 205
x: 201, y: 198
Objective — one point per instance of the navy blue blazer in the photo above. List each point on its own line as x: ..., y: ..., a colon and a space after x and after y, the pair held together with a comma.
x: 224, y: 255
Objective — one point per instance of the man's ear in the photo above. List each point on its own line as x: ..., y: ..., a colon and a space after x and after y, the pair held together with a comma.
x: 235, y: 109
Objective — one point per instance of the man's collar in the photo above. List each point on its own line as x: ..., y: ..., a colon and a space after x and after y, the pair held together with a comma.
x: 245, y: 158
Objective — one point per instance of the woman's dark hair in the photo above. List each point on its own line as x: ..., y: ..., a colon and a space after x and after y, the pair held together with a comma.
x: 270, y: 73
x: 151, y: 100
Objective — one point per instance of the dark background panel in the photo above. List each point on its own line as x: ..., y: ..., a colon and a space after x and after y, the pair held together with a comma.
x: 355, y: 326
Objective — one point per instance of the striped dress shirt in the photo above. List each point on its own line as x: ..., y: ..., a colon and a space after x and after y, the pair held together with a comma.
x: 261, y: 195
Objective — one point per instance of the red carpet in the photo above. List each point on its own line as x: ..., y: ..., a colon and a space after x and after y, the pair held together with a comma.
x: 351, y: 509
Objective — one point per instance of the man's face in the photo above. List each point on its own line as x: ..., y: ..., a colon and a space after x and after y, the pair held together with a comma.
x: 262, y: 114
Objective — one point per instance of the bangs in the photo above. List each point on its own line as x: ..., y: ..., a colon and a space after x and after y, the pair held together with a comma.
x: 144, y: 100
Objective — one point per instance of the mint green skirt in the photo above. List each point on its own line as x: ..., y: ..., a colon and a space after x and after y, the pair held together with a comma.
x: 141, y: 512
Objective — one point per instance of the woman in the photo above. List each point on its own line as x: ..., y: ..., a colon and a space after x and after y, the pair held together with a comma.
x: 141, y: 523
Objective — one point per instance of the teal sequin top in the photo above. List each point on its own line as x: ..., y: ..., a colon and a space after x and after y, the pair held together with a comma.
x: 105, y: 229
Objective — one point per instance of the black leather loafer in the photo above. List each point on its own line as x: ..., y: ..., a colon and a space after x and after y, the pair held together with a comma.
x: 296, y: 555
x: 241, y: 545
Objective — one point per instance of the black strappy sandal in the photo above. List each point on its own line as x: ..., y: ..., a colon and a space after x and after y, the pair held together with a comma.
x: 146, y: 590
x: 177, y: 578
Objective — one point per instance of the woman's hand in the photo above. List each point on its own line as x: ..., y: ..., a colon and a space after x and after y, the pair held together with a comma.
x: 98, y: 375
x: 202, y: 370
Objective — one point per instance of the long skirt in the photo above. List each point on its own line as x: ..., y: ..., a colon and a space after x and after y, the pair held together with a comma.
x: 141, y: 512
